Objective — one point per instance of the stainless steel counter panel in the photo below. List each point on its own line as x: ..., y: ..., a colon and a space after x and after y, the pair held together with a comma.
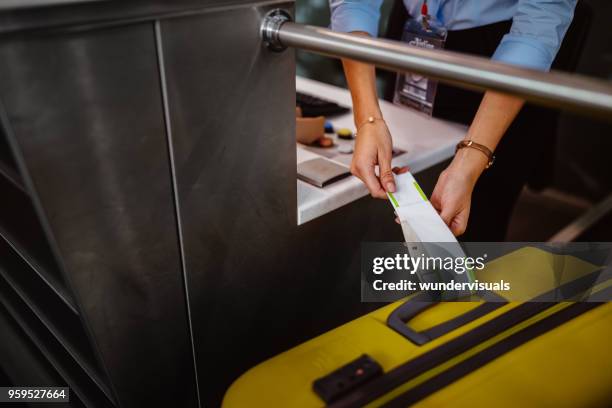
x: 257, y: 282
x: 15, y: 4
x: 232, y: 115
x: 85, y: 14
x: 149, y: 141
x: 86, y: 111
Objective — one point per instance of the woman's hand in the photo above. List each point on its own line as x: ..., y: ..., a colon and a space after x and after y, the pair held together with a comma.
x: 452, y: 195
x: 374, y: 147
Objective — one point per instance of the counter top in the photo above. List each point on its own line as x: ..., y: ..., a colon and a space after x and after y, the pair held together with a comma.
x: 427, y: 142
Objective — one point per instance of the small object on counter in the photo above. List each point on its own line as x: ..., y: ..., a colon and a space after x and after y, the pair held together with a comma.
x: 345, y: 148
x: 313, y: 106
x: 345, y: 134
x: 321, y: 172
x: 325, y: 141
x: 308, y: 130
x: 329, y: 128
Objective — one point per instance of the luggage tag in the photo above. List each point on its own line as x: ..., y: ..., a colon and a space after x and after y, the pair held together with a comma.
x: 412, y: 89
x: 425, y: 233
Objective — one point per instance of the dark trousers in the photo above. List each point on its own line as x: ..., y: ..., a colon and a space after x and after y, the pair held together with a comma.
x: 498, y: 188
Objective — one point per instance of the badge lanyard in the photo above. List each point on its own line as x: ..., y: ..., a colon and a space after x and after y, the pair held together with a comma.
x: 414, y: 90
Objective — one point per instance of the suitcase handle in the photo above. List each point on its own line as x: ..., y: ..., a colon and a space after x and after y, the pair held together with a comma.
x: 408, y: 310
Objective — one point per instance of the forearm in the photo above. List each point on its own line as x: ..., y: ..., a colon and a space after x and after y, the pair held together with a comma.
x: 374, y: 146
x: 494, y: 116
x: 452, y: 194
x: 361, y: 80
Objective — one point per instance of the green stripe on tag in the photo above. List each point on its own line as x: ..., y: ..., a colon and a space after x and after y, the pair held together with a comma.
x: 393, y: 200
x: 471, y: 275
x: 416, y: 185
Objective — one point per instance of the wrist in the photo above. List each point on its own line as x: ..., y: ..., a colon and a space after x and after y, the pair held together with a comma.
x: 362, y: 115
x: 469, y: 164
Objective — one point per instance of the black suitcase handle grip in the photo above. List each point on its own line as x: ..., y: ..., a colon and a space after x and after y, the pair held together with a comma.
x: 408, y: 310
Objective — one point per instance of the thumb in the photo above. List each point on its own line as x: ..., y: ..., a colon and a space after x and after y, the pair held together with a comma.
x: 386, y: 174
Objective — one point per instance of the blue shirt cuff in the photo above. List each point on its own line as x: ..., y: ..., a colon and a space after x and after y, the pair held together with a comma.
x: 523, y: 51
x: 347, y: 18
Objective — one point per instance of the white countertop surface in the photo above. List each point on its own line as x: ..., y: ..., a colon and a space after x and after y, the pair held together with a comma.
x: 427, y: 141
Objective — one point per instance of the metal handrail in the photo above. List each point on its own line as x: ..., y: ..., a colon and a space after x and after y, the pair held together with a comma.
x: 555, y: 89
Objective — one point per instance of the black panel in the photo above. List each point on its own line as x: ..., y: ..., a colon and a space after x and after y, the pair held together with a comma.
x: 56, y: 356
x: 87, y: 117
x: 20, y: 228
x: 53, y: 313
x: 24, y: 363
x: 8, y: 166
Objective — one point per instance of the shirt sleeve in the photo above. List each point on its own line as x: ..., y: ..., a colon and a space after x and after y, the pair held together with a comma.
x: 355, y: 15
x: 537, y: 31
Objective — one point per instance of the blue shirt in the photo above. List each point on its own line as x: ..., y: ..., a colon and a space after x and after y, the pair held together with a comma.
x: 538, y: 26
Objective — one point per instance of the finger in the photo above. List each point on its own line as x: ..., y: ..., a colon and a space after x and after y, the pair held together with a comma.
x: 435, y: 199
x: 436, y: 195
x: 386, y: 175
x: 448, y: 213
x: 459, y: 223
x: 397, y: 220
x: 457, y: 229
x: 368, y: 176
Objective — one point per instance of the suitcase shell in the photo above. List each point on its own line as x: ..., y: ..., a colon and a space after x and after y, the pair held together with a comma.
x: 570, y: 366
x: 522, y: 376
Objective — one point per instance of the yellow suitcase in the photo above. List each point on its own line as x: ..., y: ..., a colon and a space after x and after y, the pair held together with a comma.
x: 476, y: 354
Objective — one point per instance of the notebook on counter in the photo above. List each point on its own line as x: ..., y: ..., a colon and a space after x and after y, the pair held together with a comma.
x: 320, y: 172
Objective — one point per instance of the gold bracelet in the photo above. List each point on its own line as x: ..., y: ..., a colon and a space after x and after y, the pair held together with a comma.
x: 481, y: 148
x: 371, y: 119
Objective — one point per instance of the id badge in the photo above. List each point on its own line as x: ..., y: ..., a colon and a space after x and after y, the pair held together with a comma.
x: 415, y: 90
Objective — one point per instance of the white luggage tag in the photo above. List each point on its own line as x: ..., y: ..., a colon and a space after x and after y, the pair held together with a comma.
x: 424, y: 229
